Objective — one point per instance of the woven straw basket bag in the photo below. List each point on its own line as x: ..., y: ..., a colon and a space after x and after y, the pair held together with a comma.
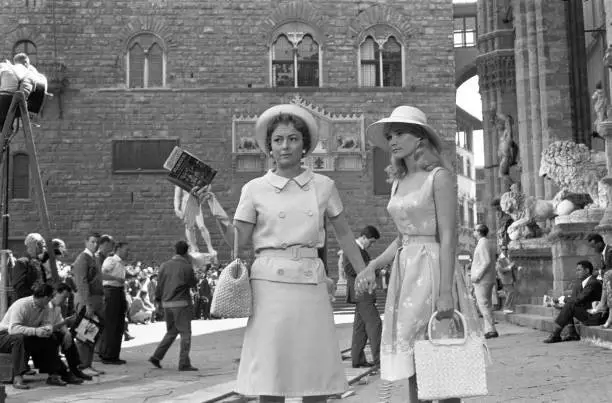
x: 449, y: 368
x: 233, y: 297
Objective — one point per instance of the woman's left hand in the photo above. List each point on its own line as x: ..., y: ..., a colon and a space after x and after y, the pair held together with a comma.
x: 365, y: 281
x: 445, y: 306
x: 202, y: 193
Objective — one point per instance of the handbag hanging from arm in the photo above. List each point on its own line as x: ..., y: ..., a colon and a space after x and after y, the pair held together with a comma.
x: 233, y: 297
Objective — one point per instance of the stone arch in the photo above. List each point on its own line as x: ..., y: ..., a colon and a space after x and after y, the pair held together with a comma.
x: 467, y: 72
x: 29, y: 34
x: 299, y: 15
x: 380, y: 17
x: 142, y: 25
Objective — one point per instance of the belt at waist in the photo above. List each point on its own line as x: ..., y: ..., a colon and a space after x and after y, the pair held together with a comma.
x: 292, y: 252
x: 412, y: 239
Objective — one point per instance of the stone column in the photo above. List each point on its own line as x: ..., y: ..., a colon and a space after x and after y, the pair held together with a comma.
x: 497, y: 89
x: 605, y: 130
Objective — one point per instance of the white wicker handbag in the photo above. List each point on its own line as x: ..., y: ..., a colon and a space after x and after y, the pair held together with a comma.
x: 449, y: 368
x: 233, y: 297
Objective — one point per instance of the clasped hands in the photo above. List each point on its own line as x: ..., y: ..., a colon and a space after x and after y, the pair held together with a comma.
x: 366, y: 281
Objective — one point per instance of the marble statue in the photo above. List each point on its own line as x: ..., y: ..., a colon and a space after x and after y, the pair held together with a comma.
x: 525, y: 211
x: 188, y: 209
x: 507, y: 150
x: 572, y: 168
x: 600, y: 105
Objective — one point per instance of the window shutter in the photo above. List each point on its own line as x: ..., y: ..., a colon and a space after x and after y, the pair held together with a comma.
x: 137, y: 58
x: 282, y: 63
x: 381, y: 160
x: 21, y: 176
x: 369, y: 63
x: 156, y: 66
x: 392, y: 63
x: 308, y: 62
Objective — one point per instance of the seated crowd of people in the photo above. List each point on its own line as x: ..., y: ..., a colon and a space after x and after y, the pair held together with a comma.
x: 44, y: 311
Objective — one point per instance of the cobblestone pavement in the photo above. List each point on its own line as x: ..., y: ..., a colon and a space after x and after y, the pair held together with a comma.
x: 523, y: 370
x: 526, y: 370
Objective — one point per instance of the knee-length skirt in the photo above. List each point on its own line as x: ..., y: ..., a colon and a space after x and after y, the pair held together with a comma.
x: 290, y: 345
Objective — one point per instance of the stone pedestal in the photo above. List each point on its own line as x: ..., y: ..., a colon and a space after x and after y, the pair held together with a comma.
x: 569, y: 246
x: 535, y: 276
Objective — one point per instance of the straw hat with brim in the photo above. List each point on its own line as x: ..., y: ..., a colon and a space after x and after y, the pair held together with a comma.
x: 402, y: 114
x: 263, y: 122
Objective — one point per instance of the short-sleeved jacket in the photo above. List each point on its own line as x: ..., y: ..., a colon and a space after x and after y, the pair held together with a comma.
x: 288, y: 213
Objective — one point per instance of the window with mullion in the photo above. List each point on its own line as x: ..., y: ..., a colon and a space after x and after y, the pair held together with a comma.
x: 146, y: 62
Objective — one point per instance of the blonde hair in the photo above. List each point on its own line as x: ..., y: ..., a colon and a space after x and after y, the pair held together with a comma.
x: 426, y: 155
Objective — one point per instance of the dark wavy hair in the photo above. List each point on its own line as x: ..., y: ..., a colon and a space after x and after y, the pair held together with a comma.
x: 286, y: 119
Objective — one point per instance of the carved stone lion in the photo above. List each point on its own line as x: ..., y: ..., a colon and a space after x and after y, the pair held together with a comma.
x: 574, y: 170
x: 525, y: 211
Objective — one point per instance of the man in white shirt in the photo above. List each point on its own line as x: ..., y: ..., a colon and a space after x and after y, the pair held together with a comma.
x: 483, y: 278
x: 27, y: 330
x: 115, y: 305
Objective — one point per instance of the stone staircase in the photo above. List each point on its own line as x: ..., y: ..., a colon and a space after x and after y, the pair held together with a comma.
x: 340, y: 306
x: 541, y: 318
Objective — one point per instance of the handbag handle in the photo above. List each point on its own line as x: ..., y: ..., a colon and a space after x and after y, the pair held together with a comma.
x: 235, y: 249
x: 448, y: 342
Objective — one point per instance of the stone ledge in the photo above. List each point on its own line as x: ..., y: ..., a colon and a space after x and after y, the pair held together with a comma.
x: 545, y: 324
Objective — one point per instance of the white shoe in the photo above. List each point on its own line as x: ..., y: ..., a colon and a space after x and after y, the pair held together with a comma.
x: 508, y: 311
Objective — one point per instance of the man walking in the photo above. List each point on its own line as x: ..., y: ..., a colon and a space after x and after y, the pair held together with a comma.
x: 484, y: 278
x: 367, y: 323
x: 89, y: 295
x: 175, y: 280
x: 115, y: 305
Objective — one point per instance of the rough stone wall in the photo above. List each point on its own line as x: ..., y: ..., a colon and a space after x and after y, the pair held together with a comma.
x: 217, y: 66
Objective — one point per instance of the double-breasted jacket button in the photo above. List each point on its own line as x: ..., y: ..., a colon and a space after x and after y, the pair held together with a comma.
x: 284, y: 245
x: 280, y: 272
x: 311, y: 244
x: 309, y: 212
x: 277, y: 190
x: 281, y: 214
x: 307, y: 273
x: 306, y: 188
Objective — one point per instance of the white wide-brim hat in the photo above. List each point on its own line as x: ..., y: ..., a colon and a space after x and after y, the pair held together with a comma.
x: 263, y: 122
x: 402, y: 114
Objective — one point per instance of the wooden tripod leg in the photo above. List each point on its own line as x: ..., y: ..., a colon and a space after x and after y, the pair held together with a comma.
x: 40, y: 192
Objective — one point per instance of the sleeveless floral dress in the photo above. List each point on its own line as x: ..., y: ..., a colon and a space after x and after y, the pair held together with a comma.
x: 415, y: 281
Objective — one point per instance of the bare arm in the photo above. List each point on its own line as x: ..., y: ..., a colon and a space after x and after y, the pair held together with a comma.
x: 387, y: 256
x: 445, y: 198
x: 346, y: 240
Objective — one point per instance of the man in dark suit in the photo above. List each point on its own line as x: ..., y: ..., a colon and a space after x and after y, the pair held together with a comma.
x: 586, y: 291
x: 367, y: 323
x: 28, y: 273
x: 89, y: 295
x: 604, y: 251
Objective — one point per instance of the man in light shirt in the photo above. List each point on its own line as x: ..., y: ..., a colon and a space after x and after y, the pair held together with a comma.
x: 115, y: 305
x: 483, y: 278
x: 27, y: 329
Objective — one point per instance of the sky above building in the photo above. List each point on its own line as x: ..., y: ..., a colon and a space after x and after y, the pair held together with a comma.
x: 468, y: 99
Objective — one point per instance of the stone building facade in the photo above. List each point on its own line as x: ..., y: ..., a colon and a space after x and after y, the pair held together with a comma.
x: 133, y: 78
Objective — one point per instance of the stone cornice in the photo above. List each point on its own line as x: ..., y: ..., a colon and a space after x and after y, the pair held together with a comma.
x: 571, y: 231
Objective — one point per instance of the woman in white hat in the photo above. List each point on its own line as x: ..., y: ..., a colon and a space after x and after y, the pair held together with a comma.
x: 290, y: 345
x: 423, y: 205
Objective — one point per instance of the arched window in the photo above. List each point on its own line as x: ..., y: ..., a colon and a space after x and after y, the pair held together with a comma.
x: 295, y: 60
x: 380, y: 62
x: 20, y: 176
x: 146, y: 61
x: 27, y: 47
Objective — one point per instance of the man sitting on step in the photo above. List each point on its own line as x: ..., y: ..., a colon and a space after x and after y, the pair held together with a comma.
x: 586, y: 291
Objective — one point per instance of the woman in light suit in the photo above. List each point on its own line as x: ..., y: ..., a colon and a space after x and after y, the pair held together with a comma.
x: 290, y: 345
